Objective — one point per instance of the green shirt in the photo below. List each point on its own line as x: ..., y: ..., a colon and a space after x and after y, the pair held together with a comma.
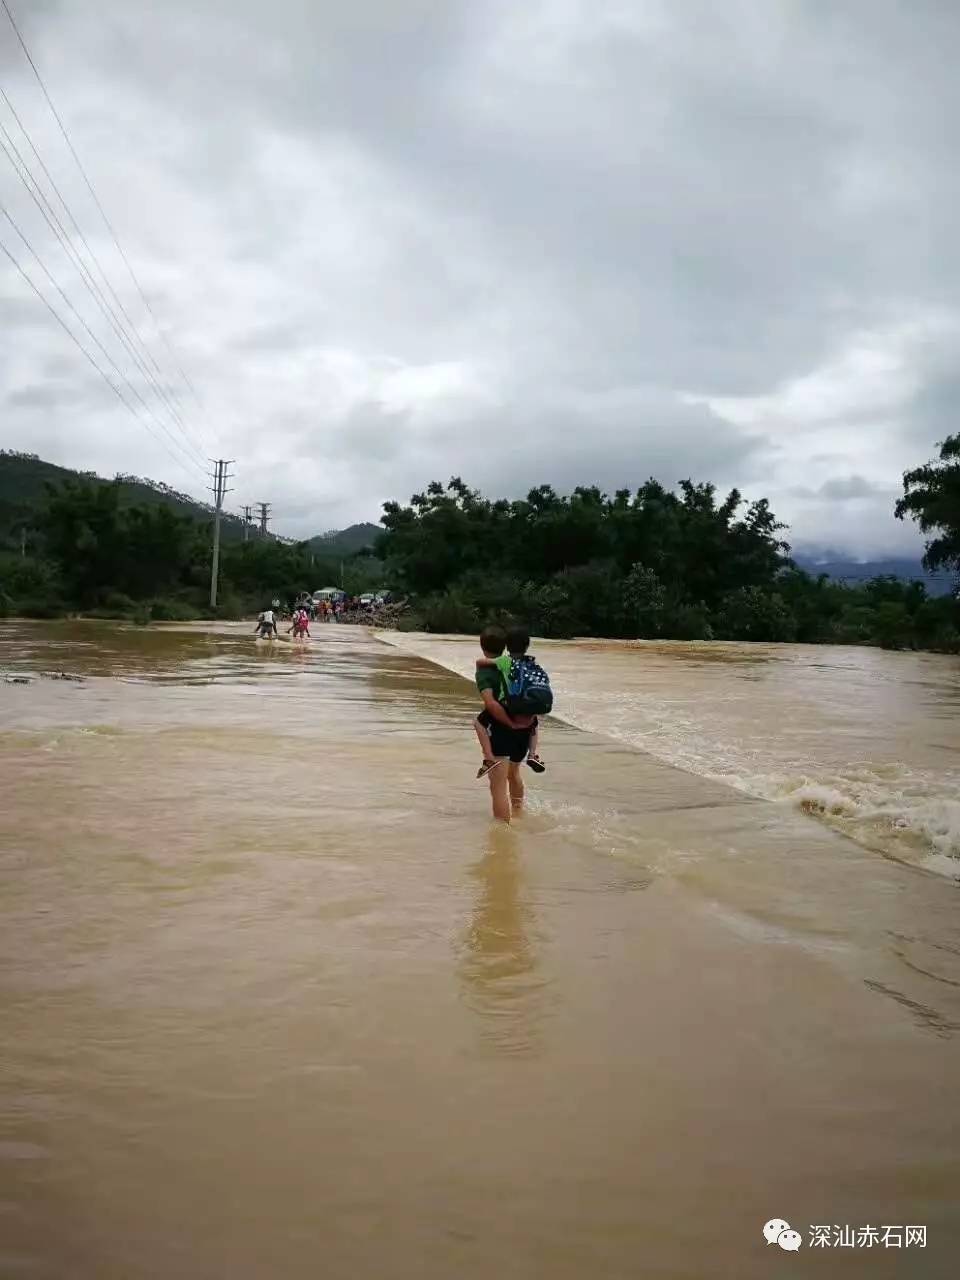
x: 495, y: 677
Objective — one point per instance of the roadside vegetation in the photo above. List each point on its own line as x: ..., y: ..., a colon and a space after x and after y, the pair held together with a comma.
x: 648, y: 563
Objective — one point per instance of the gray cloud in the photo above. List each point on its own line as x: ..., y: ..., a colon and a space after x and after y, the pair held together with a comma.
x: 847, y: 489
x: 559, y: 241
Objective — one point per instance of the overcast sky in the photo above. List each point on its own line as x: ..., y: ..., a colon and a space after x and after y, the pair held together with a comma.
x: 563, y: 241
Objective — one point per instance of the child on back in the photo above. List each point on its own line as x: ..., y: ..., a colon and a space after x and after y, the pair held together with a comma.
x: 494, y: 671
x: 300, y: 625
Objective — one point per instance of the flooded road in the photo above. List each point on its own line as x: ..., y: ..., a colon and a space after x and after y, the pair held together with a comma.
x: 866, y: 740
x: 279, y: 1001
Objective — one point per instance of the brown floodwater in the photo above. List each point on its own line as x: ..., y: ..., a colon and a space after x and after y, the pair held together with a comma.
x: 279, y: 1000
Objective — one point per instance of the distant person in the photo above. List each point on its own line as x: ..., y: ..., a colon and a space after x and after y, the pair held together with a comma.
x: 266, y: 625
x: 300, y: 626
x: 504, y: 738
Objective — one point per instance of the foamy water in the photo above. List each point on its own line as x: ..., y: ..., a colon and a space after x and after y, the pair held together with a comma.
x: 866, y: 741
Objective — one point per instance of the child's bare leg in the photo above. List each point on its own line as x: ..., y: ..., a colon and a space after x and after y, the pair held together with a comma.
x: 484, y: 739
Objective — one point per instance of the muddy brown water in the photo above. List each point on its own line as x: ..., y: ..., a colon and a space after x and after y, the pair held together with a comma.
x: 278, y: 1000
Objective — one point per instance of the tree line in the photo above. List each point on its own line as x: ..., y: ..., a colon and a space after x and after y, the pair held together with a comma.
x: 94, y: 553
x: 659, y: 564
x: 651, y: 563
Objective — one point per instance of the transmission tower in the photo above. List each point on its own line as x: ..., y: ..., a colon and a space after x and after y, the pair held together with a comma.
x: 264, y: 516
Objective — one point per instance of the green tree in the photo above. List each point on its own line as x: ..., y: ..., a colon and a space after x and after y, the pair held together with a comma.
x: 931, y: 496
x: 645, y: 602
x: 750, y: 613
x: 81, y: 528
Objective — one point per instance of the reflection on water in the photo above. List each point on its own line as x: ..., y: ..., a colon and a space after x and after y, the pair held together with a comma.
x: 498, y: 964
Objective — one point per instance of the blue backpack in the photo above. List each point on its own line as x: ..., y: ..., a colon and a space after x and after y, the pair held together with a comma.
x: 528, y: 688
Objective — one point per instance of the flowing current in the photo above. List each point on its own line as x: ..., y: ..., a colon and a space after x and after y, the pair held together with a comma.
x: 865, y: 739
x: 278, y: 1000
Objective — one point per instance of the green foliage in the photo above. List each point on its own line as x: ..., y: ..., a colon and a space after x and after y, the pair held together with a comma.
x: 103, y: 548
x: 449, y: 611
x: 25, y: 480
x: 931, y: 496
x: 168, y: 610
x: 891, y: 625
x: 750, y: 613
x: 345, y: 542
x: 102, y: 555
x: 27, y: 576
x: 645, y: 603
x: 447, y: 534
x: 114, y: 604
x: 650, y: 564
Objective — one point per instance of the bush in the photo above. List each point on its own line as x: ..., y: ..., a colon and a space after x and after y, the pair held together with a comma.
x: 230, y: 607
x: 28, y: 576
x: 168, y: 610
x: 855, y: 625
x: 892, y: 626
x: 750, y: 613
x: 40, y: 608
x: 113, y: 604
x: 644, y: 603
x: 688, y: 622
x: 550, y: 609
x: 450, y: 613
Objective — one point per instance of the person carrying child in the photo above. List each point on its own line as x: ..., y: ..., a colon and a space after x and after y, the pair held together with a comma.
x: 515, y: 691
x: 300, y: 625
x: 266, y: 625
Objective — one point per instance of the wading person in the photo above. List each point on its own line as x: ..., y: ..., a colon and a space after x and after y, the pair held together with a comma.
x: 505, y: 740
x: 526, y: 693
x: 266, y: 625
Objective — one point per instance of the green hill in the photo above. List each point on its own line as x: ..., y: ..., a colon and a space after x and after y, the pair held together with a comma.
x: 345, y: 542
x: 24, y: 477
x: 23, y: 481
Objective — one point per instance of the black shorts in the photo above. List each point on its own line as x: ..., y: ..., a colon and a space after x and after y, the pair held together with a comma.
x: 514, y: 743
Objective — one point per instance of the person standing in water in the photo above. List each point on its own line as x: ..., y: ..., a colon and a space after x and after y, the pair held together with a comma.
x: 266, y: 625
x: 521, y: 672
x: 505, y: 740
x: 300, y: 625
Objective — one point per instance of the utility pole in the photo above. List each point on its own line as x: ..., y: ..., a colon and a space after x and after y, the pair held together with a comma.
x: 23, y: 543
x: 219, y: 490
x: 264, y: 517
x: 247, y: 517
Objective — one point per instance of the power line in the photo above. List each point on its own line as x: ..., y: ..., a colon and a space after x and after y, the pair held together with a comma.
x: 96, y: 199
x: 56, y: 226
x: 39, y: 198
x: 113, y: 364
x: 73, y: 337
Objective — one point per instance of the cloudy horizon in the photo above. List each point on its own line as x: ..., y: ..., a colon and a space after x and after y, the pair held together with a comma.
x: 560, y: 243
